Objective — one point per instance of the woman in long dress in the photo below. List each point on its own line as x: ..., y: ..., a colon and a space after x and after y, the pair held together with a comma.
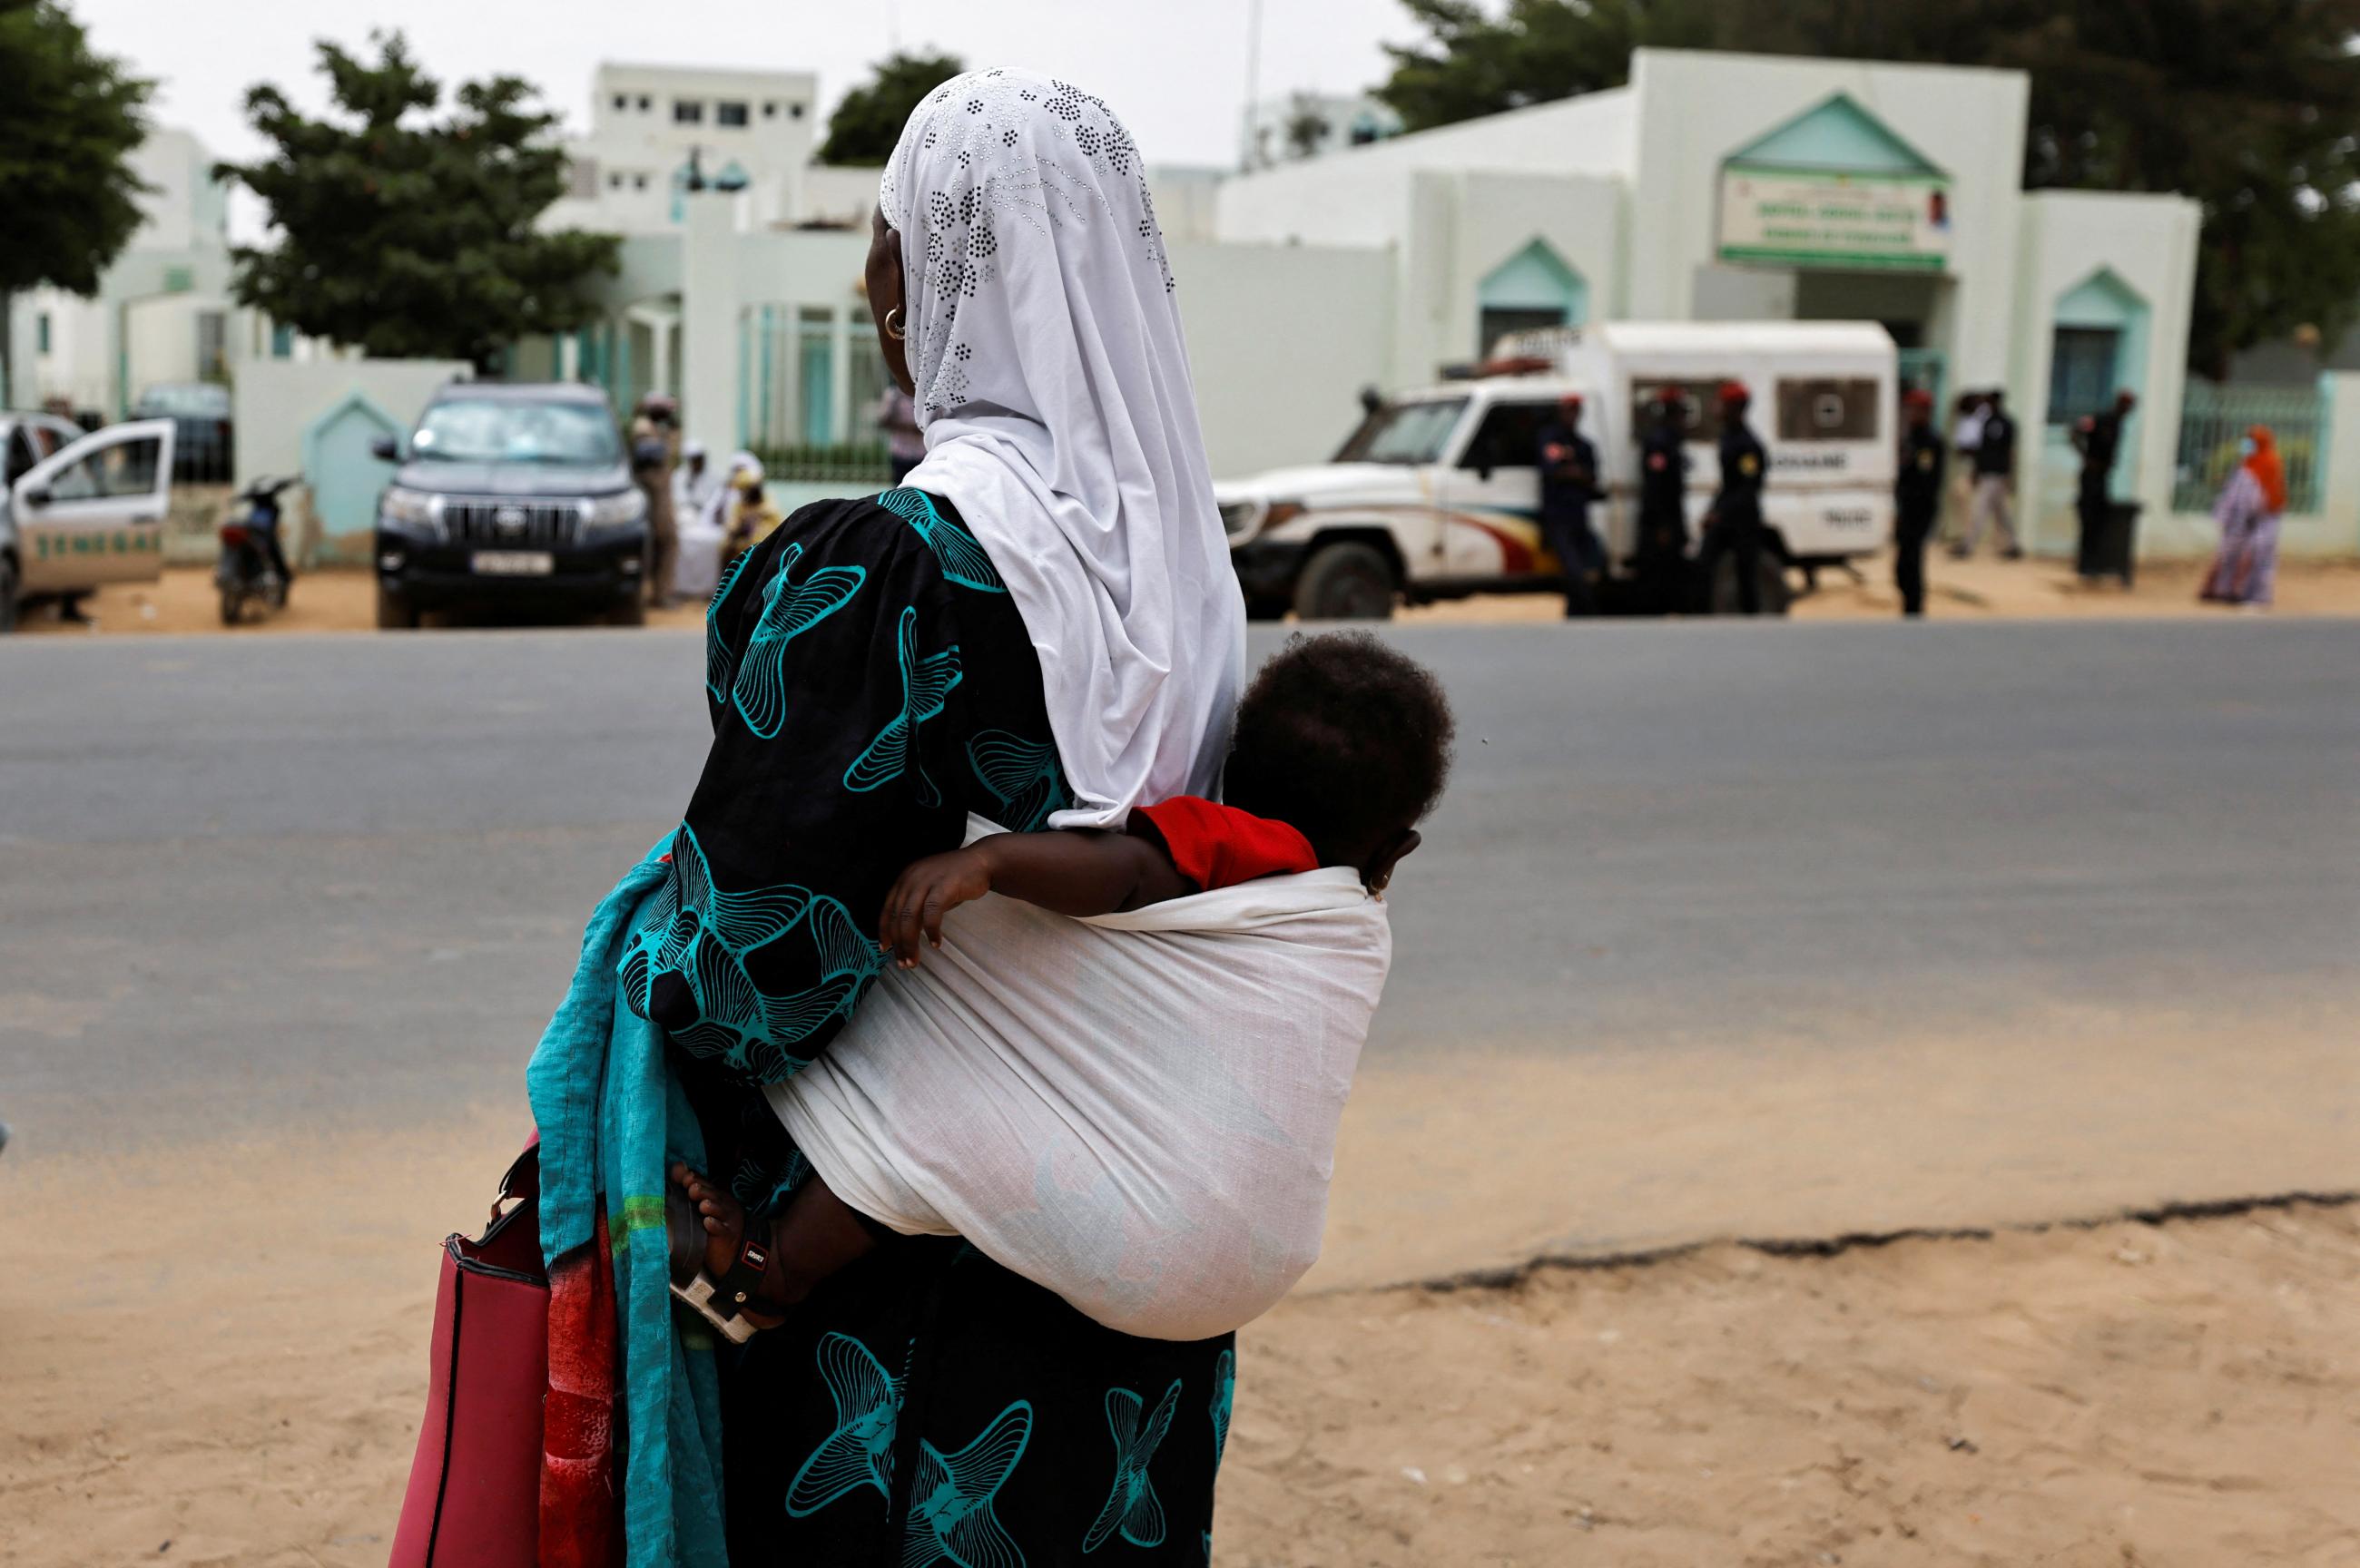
x: 2245, y: 570
x: 1041, y: 627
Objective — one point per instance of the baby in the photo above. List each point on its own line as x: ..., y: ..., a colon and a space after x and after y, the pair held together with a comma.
x: 1342, y: 746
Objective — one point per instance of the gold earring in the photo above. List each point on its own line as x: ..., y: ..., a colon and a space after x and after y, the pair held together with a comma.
x: 899, y: 333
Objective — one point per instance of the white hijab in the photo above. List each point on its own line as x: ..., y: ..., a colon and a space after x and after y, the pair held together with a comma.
x: 1053, y: 388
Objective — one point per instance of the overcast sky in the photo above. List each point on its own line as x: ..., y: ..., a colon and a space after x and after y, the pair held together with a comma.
x: 1176, y: 70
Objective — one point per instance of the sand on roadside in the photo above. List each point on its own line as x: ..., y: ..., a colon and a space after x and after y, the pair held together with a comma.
x: 1986, y: 589
x: 217, y: 1356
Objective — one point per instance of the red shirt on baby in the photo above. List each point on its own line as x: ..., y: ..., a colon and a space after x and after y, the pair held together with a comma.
x: 1220, y: 846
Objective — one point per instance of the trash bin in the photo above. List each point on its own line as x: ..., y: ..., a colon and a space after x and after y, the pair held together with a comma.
x: 2112, y: 549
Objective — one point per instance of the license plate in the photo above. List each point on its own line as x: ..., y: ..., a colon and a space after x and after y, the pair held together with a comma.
x: 515, y: 562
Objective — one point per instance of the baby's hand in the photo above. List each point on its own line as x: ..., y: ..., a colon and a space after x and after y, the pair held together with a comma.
x: 927, y: 891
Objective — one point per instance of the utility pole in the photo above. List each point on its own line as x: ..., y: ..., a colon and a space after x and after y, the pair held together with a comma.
x: 1253, y: 84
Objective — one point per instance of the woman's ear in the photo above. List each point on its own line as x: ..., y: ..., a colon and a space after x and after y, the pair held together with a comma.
x: 1380, y: 869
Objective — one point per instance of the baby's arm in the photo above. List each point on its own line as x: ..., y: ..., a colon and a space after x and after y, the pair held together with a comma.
x: 1072, y: 871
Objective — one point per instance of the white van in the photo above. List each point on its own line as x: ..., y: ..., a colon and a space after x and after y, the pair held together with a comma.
x: 80, y: 511
x: 1437, y: 496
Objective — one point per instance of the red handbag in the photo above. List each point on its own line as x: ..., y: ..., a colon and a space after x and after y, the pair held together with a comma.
x: 474, y: 1486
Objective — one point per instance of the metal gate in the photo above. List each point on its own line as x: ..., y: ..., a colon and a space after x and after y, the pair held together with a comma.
x: 2212, y: 424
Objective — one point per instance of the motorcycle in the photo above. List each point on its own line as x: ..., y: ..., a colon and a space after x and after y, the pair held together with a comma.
x: 252, y: 566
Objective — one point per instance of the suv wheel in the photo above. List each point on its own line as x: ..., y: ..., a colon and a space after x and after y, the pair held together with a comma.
x: 1345, y: 582
x: 394, y: 613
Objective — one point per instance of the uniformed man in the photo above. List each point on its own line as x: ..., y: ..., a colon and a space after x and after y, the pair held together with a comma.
x: 1568, y: 467
x: 1917, y: 498
x: 2097, y: 437
x: 1733, y: 527
x: 1663, y: 543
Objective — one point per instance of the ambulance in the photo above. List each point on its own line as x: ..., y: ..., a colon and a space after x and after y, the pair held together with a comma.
x: 1437, y: 496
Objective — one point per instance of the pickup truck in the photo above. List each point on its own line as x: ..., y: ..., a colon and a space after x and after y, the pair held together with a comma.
x: 80, y: 511
x: 1437, y: 496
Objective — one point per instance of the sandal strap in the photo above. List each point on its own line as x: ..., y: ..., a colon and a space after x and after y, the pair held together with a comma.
x: 741, y: 1288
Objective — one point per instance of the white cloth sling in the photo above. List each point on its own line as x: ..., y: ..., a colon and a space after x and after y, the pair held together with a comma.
x: 1053, y: 392
x: 1138, y: 1110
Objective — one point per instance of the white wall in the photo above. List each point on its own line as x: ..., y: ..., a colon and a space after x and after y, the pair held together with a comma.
x: 2149, y: 243
x: 276, y: 400
x: 1281, y: 340
x: 1695, y: 109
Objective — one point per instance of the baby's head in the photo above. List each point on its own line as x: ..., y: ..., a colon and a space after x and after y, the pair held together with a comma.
x: 1346, y: 741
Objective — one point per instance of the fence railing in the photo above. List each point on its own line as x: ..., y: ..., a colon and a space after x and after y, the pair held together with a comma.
x: 847, y: 462
x: 2212, y: 425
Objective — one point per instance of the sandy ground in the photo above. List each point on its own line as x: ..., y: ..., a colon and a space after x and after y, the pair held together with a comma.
x: 1983, y: 589
x: 228, y: 1367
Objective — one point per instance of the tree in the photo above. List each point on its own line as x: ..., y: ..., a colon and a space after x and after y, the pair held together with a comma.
x: 868, y: 122
x: 68, y: 121
x: 2246, y: 105
x: 408, y: 234
x: 1307, y: 125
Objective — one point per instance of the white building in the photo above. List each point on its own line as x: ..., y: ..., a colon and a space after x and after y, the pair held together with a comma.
x: 1741, y: 186
x: 751, y: 131
x: 163, y: 314
x: 1311, y: 125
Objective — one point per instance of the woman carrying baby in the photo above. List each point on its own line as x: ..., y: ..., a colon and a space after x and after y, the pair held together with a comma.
x: 1040, y: 631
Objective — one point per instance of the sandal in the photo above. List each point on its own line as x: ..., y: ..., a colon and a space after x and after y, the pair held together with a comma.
x: 725, y: 1302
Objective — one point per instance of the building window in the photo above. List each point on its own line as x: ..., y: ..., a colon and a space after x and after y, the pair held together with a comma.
x: 622, y: 101
x: 645, y: 103
x: 212, y: 345
x: 41, y: 333
x: 2081, y: 372
x: 1827, y: 410
x: 688, y: 111
x: 282, y: 341
x: 729, y: 112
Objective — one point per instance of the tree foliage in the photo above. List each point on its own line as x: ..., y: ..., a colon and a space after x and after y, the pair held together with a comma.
x: 868, y: 122
x: 2249, y: 106
x: 409, y: 232
x: 68, y: 122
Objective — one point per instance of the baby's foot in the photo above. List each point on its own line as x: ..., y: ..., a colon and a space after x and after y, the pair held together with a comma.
x: 707, y: 1231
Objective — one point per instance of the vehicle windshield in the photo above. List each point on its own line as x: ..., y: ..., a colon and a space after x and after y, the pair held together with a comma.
x: 502, y: 431
x: 1404, y: 433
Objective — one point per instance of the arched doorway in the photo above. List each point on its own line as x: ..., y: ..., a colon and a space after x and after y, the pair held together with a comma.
x: 1534, y: 288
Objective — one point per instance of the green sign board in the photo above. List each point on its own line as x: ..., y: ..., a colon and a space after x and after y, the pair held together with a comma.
x: 1796, y: 217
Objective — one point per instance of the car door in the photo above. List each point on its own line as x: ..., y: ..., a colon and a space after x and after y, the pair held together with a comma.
x: 94, y: 513
x: 1493, y: 492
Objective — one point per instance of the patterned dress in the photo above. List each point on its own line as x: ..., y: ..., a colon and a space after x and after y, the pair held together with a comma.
x: 870, y: 682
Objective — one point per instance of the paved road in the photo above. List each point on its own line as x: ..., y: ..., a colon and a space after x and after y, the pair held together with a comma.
x: 339, y: 880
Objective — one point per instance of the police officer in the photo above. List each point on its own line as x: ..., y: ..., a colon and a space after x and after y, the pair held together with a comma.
x: 1568, y: 467
x: 1663, y: 543
x: 1733, y: 527
x: 1917, y: 498
x: 2098, y: 437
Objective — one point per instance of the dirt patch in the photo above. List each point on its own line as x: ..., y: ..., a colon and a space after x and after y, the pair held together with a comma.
x: 332, y: 599
x: 232, y: 1371
x: 1988, y: 589
x: 336, y: 599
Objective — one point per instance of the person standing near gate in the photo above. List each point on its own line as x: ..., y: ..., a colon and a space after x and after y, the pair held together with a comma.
x: 1663, y: 544
x: 1966, y: 435
x: 2097, y: 437
x: 1568, y: 467
x: 655, y: 435
x: 1733, y: 527
x: 1995, y: 495
x: 1917, y: 498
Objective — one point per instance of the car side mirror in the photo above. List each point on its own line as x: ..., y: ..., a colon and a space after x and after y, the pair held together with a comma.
x: 38, y: 495
x: 385, y: 449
